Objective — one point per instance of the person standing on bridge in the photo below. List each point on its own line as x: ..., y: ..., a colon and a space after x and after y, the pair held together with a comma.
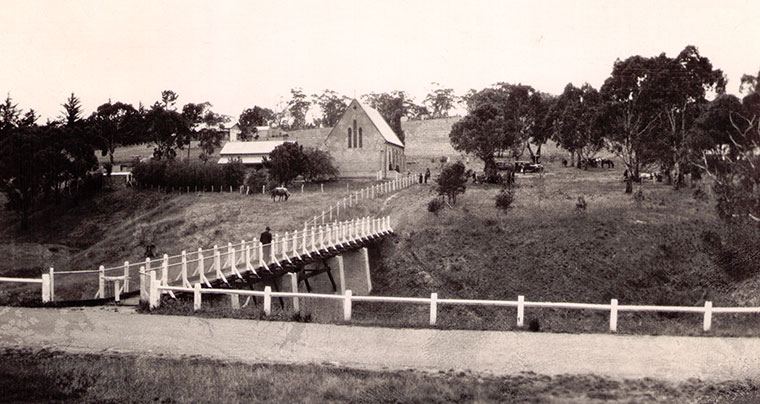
x: 266, y: 241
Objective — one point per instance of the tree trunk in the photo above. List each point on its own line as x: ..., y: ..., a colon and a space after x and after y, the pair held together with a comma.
x: 532, y: 156
x: 628, y: 185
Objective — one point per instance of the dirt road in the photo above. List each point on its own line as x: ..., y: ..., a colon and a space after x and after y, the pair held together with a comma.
x: 498, y: 353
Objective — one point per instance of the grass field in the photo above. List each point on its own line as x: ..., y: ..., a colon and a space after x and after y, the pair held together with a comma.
x: 53, y: 377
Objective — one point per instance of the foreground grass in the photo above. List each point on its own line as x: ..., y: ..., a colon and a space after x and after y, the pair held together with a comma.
x: 44, y: 376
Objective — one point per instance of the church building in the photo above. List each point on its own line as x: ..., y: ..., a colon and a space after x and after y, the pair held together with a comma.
x: 363, y: 144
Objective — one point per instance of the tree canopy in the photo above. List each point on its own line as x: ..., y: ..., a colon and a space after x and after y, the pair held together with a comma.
x: 286, y: 162
x: 482, y: 132
x: 251, y: 118
x: 440, y: 101
x: 332, y: 105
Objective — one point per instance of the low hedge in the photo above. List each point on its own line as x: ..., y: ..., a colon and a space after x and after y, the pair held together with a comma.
x: 172, y: 173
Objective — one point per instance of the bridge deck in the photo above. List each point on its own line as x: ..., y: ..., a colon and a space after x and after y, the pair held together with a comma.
x: 253, y: 262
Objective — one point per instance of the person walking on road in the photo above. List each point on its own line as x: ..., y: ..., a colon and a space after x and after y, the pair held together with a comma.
x: 427, y: 175
x: 266, y: 241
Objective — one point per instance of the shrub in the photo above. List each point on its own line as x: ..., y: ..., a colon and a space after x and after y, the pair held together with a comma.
x: 319, y: 165
x: 435, y: 205
x: 452, y: 181
x: 505, y: 198
x: 257, y: 179
x: 638, y: 196
x: 233, y: 174
x: 581, y: 205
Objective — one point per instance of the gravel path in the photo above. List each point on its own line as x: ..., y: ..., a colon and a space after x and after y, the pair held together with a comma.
x: 498, y: 353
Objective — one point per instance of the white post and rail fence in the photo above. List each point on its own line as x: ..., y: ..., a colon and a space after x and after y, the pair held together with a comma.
x: 434, y: 302
x: 353, y: 198
x: 46, y: 282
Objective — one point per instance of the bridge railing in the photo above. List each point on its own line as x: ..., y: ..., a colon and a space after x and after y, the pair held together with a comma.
x: 353, y: 198
x: 707, y: 311
x: 221, y: 262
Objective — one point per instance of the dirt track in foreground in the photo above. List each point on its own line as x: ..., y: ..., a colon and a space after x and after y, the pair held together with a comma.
x: 497, y: 353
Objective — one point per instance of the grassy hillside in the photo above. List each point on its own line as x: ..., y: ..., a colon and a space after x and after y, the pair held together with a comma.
x: 669, y: 249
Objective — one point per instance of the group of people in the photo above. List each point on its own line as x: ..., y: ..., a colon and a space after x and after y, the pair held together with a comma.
x: 423, y: 178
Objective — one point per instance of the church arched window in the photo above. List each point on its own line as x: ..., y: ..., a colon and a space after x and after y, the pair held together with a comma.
x: 360, y: 137
x: 349, y: 138
x: 355, y: 143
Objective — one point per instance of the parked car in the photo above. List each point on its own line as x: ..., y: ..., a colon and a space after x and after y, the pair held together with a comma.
x: 528, y: 167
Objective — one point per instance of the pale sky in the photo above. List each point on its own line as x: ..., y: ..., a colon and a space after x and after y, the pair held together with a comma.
x: 237, y: 54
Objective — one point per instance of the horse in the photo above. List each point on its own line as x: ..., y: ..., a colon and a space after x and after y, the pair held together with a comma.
x: 279, y: 193
x: 607, y: 163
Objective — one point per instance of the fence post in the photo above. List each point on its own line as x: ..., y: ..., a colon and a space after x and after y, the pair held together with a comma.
x: 267, y: 301
x: 45, y: 288
x: 164, y: 272
x: 153, y: 297
x: 102, y: 282
x: 347, y: 306
x: 143, y: 285
x: 126, y: 276
x: 613, y: 315
x: 520, y: 311
x: 294, y: 289
x: 185, y: 282
x: 322, y: 188
x: 433, y: 308
x: 263, y: 189
x: 708, y: 317
x: 116, y: 292
x: 197, y: 296
x: 52, y: 284
x: 301, y: 188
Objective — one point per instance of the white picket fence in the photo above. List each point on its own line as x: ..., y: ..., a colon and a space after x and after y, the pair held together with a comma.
x: 234, y: 259
x: 156, y: 289
x: 353, y: 198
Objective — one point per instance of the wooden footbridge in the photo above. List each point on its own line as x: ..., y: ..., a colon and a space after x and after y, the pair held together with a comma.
x: 306, y: 253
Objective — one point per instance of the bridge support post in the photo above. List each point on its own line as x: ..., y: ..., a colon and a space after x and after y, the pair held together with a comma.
x: 355, y: 271
x: 293, y: 278
x: 337, y: 262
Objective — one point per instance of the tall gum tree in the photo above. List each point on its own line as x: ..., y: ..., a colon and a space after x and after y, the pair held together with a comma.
x: 679, y: 87
x: 630, y: 114
x: 573, y: 121
x: 482, y: 132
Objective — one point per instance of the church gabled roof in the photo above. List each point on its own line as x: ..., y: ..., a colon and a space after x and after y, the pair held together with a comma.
x: 381, y: 125
x: 377, y: 120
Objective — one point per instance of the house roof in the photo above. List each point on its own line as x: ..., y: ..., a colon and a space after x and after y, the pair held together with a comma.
x: 381, y: 125
x: 240, y: 148
x: 245, y: 160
